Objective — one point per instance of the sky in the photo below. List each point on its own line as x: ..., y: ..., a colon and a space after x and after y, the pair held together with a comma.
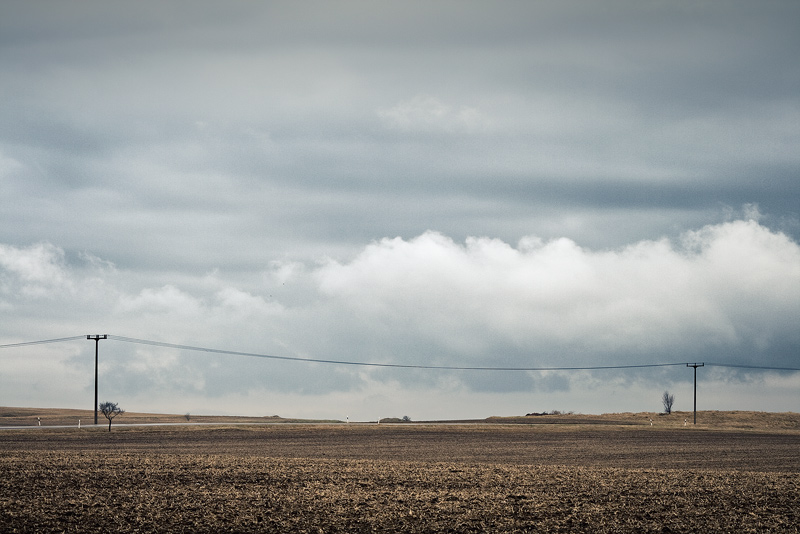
x: 435, y: 185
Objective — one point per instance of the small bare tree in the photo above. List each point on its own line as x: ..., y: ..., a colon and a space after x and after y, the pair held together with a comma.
x: 667, y: 400
x: 110, y: 411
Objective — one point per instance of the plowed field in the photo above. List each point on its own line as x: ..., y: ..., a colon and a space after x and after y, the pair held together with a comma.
x: 399, y: 478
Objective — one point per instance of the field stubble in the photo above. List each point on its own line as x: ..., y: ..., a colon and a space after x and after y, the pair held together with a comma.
x: 340, y: 478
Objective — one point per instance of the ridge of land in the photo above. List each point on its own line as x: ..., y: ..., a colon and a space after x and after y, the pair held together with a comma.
x: 718, y: 420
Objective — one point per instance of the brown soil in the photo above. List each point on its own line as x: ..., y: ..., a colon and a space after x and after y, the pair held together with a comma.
x: 400, y: 478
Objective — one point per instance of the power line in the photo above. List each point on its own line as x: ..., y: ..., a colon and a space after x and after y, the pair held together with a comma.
x: 42, y: 342
x: 376, y: 364
x: 762, y: 367
x: 387, y: 365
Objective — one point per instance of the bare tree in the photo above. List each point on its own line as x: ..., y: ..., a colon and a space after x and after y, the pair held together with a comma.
x: 667, y: 400
x: 110, y: 411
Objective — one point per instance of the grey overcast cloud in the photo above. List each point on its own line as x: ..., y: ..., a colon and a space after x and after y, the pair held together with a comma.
x: 432, y: 184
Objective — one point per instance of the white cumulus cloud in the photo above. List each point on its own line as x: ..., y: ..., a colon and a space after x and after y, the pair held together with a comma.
x: 726, y: 293
x: 35, y: 271
x: 732, y: 285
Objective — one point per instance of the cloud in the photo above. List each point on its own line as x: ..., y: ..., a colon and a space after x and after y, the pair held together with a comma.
x: 429, y: 114
x: 35, y: 271
x: 726, y: 293
x: 167, y: 300
x: 728, y: 287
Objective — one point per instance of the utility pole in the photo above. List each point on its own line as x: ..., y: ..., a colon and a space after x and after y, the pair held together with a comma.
x: 695, y: 365
x: 96, y: 343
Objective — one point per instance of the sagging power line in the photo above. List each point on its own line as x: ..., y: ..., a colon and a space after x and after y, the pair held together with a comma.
x: 382, y: 364
x: 379, y: 364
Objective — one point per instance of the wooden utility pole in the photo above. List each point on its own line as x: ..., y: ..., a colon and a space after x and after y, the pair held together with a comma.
x: 695, y: 365
x: 96, y: 343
